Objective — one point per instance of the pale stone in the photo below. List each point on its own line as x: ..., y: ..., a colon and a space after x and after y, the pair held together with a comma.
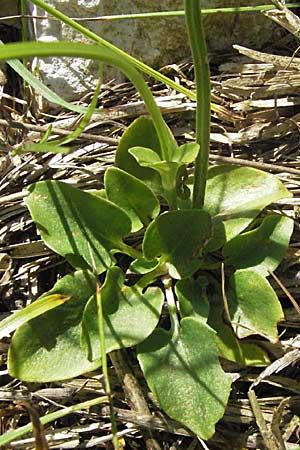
x: 249, y: 29
x: 156, y: 42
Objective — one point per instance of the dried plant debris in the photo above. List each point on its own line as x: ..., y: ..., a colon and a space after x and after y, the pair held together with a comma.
x: 257, y: 124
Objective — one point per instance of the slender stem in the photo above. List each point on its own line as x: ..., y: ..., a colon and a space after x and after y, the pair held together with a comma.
x: 179, y: 13
x: 13, y: 51
x: 202, y: 78
x: 105, y: 368
x: 23, y: 20
x: 15, y: 434
x: 120, y: 53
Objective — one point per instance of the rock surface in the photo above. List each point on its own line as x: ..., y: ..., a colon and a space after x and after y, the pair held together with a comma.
x: 156, y: 42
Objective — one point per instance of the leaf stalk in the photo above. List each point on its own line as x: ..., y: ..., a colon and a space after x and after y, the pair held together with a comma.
x: 202, y: 79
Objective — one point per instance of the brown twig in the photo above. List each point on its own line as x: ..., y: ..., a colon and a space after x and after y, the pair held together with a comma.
x: 287, y: 293
x: 254, y: 164
x: 59, y: 131
x: 133, y: 393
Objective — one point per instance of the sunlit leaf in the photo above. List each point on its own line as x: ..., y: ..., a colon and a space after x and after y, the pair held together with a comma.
x: 35, y: 309
x: 235, y: 196
x: 186, y: 153
x: 132, y: 195
x: 130, y: 315
x: 177, y: 237
x: 263, y: 248
x: 232, y: 348
x: 185, y: 375
x: 140, y: 133
x: 77, y: 225
x: 254, y: 306
x: 47, y: 348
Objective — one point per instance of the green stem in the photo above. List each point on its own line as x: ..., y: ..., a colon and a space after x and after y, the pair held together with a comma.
x: 14, y: 51
x: 120, y: 53
x: 179, y: 13
x: 165, y: 137
x: 105, y: 368
x: 23, y: 20
x: 131, y: 251
x: 16, y: 434
x: 202, y: 78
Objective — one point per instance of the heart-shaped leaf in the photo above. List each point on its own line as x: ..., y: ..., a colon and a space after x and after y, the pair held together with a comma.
x: 235, y: 196
x: 129, y: 315
x: 254, y: 306
x: 261, y: 249
x: 140, y: 133
x: 178, y: 238
x: 185, y: 375
x: 229, y: 346
x: 79, y: 226
x: 133, y: 196
x: 47, y: 348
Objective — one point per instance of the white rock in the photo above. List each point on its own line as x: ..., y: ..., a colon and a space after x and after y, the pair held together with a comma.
x: 156, y: 42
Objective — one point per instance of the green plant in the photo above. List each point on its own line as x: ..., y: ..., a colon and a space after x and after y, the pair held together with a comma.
x: 198, y: 242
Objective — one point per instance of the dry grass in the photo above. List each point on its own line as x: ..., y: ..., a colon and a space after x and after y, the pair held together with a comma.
x: 258, y: 126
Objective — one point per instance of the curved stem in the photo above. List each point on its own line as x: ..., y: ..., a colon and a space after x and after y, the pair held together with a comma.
x: 42, y: 49
x: 202, y: 78
x: 120, y: 53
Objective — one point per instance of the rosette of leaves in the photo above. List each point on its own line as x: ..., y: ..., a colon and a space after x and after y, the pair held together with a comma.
x: 185, y: 245
x: 180, y: 255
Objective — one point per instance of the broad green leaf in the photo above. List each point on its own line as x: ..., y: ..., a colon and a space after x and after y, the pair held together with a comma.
x: 186, y: 153
x: 235, y: 196
x: 230, y: 347
x: 140, y: 133
x: 244, y: 353
x: 47, y: 348
x: 148, y: 158
x: 145, y: 156
x: 254, y: 306
x: 178, y: 238
x: 33, y: 310
x: 261, y: 249
x: 185, y: 375
x: 170, y: 173
x: 192, y: 298
x: 79, y: 226
x: 133, y: 196
x: 129, y: 315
